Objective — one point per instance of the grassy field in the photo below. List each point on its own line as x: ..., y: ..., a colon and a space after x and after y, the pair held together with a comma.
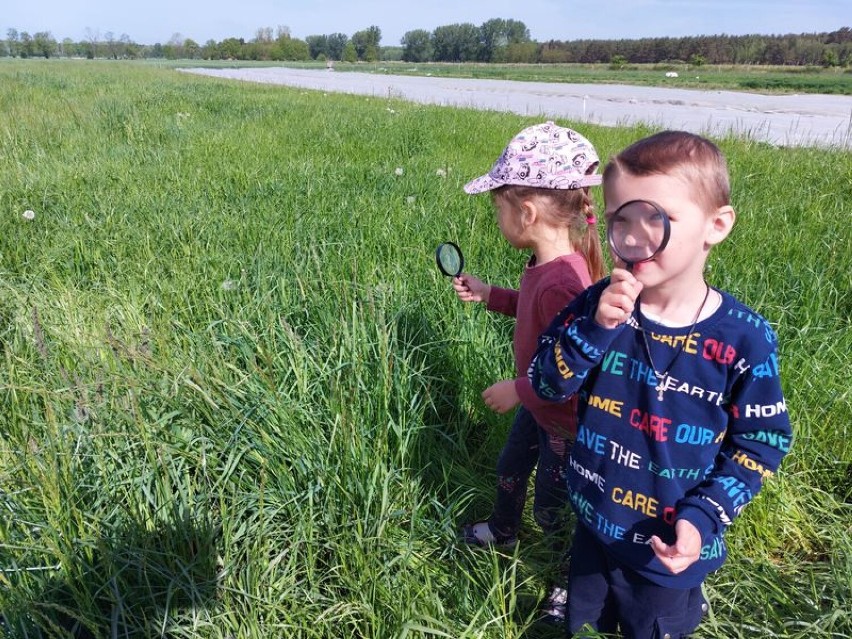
x: 237, y: 399
x: 751, y: 78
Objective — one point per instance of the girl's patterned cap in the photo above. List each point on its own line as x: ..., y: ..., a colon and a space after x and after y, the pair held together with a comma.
x: 544, y: 156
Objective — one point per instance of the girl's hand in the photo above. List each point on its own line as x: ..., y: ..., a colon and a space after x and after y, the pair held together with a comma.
x: 618, y: 299
x: 502, y: 396
x: 685, y: 550
x: 471, y: 289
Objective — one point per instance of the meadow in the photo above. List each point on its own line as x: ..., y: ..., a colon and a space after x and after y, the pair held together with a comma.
x: 237, y: 399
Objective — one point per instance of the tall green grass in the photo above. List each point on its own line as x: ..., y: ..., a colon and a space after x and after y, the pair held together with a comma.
x: 237, y: 399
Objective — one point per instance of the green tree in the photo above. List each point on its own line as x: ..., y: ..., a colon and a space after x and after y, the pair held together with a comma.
x: 317, y: 46
x: 523, y: 52
x: 44, y: 44
x: 27, y: 45
x: 349, y: 53
x: 231, y: 48
x: 363, y: 40
x: 13, y: 42
x: 191, y: 49
x: 497, y: 34
x: 830, y: 57
x: 617, y: 62
x: 391, y: 54
x: 92, y: 48
x: 371, y: 54
x: 112, y: 45
x: 336, y: 44
x: 288, y: 48
x: 697, y: 60
x: 455, y: 43
x: 416, y: 46
x: 210, y: 50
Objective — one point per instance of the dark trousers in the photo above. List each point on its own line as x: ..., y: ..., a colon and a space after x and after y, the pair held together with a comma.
x: 529, y: 445
x: 604, y: 595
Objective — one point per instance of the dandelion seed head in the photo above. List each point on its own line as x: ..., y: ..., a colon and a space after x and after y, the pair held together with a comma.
x: 441, y: 173
x: 410, y: 199
x: 399, y: 170
x: 80, y: 414
x: 28, y: 215
x: 229, y: 285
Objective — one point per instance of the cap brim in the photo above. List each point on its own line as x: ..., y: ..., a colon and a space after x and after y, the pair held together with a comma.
x: 488, y: 183
x: 591, y: 180
x: 481, y: 185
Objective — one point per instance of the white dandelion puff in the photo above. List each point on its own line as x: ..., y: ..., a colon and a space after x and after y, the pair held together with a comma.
x: 28, y: 215
x: 399, y: 170
x: 229, y: 285
x: 441, y: 173
x: 80, y: 414
x: 410, y: 199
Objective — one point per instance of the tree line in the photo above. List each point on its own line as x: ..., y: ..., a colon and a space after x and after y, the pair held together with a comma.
x: 496, y: 40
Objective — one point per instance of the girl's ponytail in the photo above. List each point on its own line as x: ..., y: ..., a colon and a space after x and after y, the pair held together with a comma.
x: 589, y: 245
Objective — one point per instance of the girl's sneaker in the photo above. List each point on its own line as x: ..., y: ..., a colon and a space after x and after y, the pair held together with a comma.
x: 555, y: 608
x: 481, y: 535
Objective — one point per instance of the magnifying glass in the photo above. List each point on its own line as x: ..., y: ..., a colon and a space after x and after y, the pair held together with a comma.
x: 450, y: 259
x: 638, y: 231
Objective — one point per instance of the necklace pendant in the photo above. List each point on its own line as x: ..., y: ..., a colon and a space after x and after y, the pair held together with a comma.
x: 661, y: 386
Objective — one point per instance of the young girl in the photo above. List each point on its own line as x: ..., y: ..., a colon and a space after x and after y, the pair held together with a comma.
x: 540, y: 190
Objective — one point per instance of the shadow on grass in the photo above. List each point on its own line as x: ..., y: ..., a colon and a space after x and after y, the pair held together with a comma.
x: 451, y: 432
x: 132, y: 584
x: 461, y: 451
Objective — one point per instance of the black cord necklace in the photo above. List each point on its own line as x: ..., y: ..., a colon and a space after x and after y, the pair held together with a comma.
x: 662, y: 377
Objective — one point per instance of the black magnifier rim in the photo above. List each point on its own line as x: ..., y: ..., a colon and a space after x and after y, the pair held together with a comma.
x: 667, y: 231
x: 438, y: 258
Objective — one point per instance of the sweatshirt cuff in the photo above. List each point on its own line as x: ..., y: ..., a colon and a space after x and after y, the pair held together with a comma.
x: 528, y: 398
x: 706, y: 525
x: 500, y: 300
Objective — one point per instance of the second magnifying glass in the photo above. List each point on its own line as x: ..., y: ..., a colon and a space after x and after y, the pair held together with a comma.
x: 638, y: 231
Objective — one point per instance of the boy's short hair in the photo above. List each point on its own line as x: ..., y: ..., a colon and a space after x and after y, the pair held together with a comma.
x: 678, y: 153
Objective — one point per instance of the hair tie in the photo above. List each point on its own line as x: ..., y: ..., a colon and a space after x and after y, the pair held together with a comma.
x: 591, y: 220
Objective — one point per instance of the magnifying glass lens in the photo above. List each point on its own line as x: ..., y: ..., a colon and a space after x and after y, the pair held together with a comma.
x: 637, y: 231
x: 449, y: 258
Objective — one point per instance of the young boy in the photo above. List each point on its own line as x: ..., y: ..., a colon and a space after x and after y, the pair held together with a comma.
x: 680, y: 416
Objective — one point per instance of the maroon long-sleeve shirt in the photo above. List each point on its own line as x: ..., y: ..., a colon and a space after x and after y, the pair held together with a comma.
x: 544, y: 291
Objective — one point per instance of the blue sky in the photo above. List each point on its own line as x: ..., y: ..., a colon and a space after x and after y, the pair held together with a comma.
x: 150, y: 21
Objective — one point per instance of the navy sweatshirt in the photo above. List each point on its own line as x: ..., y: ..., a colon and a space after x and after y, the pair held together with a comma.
x: 641, y: 463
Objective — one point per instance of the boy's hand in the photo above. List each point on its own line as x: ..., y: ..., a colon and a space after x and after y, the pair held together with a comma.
x: 470, y: 289
x: 618, y: 299
x: 685, y: 550
x: 502, y: 396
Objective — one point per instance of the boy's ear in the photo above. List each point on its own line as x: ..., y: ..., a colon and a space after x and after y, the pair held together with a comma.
x: 721, y: 223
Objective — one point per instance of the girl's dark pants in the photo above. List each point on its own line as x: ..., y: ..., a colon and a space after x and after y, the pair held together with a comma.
x: 529, y: 445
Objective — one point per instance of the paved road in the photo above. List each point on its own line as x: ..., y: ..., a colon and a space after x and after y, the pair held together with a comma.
x: 788, y: 120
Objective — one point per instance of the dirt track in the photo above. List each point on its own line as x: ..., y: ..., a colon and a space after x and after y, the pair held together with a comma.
x: 784, y: 120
